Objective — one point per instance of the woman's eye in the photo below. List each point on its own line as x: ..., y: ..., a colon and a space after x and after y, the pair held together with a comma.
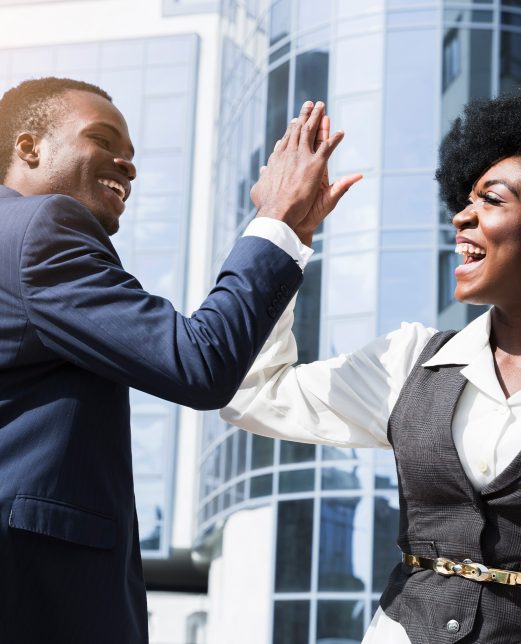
x: 491, y: 198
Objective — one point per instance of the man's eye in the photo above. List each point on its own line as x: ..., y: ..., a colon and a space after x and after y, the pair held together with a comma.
x: 105, y: 143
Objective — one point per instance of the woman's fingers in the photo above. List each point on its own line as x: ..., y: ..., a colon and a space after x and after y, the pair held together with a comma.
x: 341, y: 186
x: 323, y: 131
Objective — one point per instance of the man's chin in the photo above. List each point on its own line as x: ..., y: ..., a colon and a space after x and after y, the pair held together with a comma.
x: 110, y: 224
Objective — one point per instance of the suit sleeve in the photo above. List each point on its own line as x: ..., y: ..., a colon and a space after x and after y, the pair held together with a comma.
x: 89, y: 311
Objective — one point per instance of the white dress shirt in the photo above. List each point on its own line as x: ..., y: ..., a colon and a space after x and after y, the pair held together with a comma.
x: 346, y: 401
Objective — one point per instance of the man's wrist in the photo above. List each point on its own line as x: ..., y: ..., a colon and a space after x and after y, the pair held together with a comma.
x: 305, y: 237
x: 282, y: 236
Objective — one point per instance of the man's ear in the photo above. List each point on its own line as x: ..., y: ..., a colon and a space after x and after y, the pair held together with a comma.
x: 27, y: 148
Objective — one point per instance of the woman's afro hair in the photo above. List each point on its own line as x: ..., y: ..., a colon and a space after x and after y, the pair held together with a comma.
x: 488, y: 130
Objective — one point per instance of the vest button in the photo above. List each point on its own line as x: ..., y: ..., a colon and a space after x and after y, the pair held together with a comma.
x: 452, y: 626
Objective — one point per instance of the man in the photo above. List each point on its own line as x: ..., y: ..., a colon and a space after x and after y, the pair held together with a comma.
x: 76, y: 331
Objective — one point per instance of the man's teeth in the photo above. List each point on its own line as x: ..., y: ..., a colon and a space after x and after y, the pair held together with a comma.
x: 114, y: 185
x: 469, y: 249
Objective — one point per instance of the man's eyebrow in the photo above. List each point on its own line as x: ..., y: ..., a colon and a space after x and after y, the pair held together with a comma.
x: 113, y: 129
x: 508, y: 185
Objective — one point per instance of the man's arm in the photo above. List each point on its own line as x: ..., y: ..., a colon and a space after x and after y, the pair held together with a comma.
x: 89, y: 311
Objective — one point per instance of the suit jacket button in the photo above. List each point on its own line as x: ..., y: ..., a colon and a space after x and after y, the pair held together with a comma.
x: 452, y: 626
x: 285, y: 290
x: 271, y: 312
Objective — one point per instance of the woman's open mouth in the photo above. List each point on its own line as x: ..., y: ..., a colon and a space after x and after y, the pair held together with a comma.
x: 470, y: 253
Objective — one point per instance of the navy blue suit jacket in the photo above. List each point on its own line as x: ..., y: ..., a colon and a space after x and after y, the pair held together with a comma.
x: 76, y: 331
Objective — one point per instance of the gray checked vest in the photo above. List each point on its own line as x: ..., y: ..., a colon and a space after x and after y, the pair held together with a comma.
x: 441, y: 515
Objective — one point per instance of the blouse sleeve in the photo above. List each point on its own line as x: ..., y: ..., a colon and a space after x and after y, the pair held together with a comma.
x: 344, y: 401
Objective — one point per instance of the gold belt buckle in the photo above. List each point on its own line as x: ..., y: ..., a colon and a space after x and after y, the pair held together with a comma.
x: 475, y: 571
x: 444, y: 566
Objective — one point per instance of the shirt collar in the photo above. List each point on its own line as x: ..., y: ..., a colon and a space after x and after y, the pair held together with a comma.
x: 465, y: 345
x: 8, y: 192
x: 471, y: 347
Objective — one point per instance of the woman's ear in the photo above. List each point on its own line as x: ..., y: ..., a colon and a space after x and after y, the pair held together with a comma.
x: 27, y: 148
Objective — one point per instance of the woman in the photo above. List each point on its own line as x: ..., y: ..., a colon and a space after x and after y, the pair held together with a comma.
x: 449, y: 404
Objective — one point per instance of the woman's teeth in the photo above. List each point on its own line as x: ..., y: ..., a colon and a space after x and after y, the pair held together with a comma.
x: 470, y: 250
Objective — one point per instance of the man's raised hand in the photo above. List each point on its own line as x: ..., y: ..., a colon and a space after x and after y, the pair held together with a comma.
x: 294, y: 186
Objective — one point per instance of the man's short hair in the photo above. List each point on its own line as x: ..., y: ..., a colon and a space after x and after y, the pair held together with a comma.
x: 34, y: 106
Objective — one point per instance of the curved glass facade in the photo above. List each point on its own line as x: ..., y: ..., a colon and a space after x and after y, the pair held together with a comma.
x: 393, y: 74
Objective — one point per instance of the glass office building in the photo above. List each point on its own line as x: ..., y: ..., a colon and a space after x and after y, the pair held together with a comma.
x: 394, y: 74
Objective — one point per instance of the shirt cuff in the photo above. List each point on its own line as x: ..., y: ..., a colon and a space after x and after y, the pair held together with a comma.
x: 281, y: 235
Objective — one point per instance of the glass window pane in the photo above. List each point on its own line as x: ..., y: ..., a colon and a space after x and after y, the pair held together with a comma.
x: 296, y: 452
x: 467, y: 69
x: 162, y: 174
x: 180, y: 79
x: 412, y: 238
x: 242, y: 438
x: 385, y: 476
x: 311, y: 77
x: 161, y: 51
x: 348, y: 9
x: 306, y: 326
x: 359, y: 150
x: 161, y: 113
x: 294, y: 542
x: 228, y: 462
x: 291, y: 622
x: 280, y: 24
x: 33, y: 61
x: 330, y: 453
x: 346, y: 336
x: 148, y: 442
x: 261, y: 485
x: 277, y: 106
x: 406, y: 288
x: 155, y: 235
x: 150, y: 497
x: 385, y: 553
x: 77, y: 57
x: 413, y: 18
x: 356, y: 211
x: 448, y: 260
x: 340, y: 621
x: 262, y: 452
x: 346, y: 477
x: 308, y: 17
x: 339, y: 567
x: 296, y: 481
x: 408, y: 200
x: 510, y: 60
x: 366, y: 75
x: 351, y: 284
x: 410, y: 99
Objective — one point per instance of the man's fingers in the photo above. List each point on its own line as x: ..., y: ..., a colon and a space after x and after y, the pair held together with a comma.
x: 305, y: 112
x: 310, y: 128
x: 294, y: 136
x: 263, y: 168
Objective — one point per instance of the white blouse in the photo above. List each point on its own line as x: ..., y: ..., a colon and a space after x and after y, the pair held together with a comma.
x: 346, y: 401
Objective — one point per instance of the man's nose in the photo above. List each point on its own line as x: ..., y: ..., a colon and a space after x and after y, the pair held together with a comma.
x: 126, y: 166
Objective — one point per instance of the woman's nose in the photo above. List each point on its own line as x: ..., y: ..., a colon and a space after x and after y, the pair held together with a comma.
x: 466, y: 217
